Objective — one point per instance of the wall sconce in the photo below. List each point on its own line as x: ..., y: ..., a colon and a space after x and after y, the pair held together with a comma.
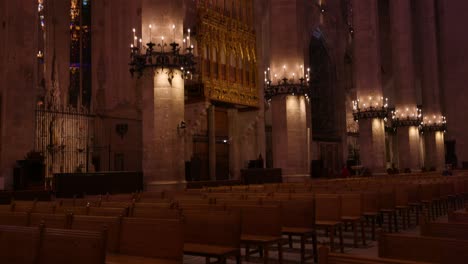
x: 181, y: 127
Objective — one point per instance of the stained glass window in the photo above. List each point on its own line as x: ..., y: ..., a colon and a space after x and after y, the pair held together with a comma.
x: 80, y: 53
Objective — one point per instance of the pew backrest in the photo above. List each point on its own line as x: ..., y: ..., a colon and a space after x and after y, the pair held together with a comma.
x: 60, y: 221
x: 213, y: 228
x: 19, y: 245
x: 14, y: 218
x: 61, y: 246
x: 422, y: 248
x: 153, y: 238
x: 110, y: 224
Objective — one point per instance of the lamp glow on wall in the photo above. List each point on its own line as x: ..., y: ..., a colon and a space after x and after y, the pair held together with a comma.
x: 295, y: 85
x: 154, y: 55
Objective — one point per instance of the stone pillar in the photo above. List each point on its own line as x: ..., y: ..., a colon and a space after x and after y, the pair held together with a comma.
x: 212, y: 142
x: 234, y: 157
x: 368, y: 82
x: 19, y: 24
x: 405, y: 99
x: 290, y: 112
x: 163, y: 139
x: 434, y: 141
x: 290, y: 134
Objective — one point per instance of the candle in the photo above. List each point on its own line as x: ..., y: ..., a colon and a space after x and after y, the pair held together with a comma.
x: 135, y: 40
x: 134, y: 37
x: 141, y: 44
x: 183, y: 44
x: 150, y: 29
x: 173, y: 33
x: 188, y: 38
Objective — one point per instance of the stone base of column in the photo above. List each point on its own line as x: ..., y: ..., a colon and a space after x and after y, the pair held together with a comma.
x: 290, y: 134
x: 157, y: 186
x: 372, y: 145
x: 434, y: 150
x: 296, y: 178
x: 409, y: 148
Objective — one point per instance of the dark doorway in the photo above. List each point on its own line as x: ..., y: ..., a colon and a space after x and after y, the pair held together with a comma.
x: 450, y: 153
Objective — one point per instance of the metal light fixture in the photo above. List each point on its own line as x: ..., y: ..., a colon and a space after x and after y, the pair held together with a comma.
x: 433, y: 123
x: 406, y: 117
x: 287, y: 86
x: 371, y: 107
x: 155, y: 56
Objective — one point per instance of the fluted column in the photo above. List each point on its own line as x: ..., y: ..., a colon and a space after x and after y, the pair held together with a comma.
x: 434, y: 140
x: 368, y: 83
x: 405, y: 99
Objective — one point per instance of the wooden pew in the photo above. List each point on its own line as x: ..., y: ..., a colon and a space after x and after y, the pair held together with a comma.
x: 328, y: 216
x: 422, y: 248
x: 261, y: 227
x: 108, y: 211
x: 39, y: 245
x: 459, y: 216
x: 298, y: 219
x: 212, y: 234
x: 61, y: 246
x: 14, y: 218
x: 19, y: 245
x: 149, y: 241
x: 99, y: 223
x: 61, y: 221
x: 351, y: 212
x: 327, y: 257
x: 156, y: 213
x: 448, y: 230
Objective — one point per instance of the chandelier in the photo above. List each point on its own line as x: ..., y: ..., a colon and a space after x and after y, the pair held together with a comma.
x: 406, y: 117
x: 370, y: 107
x: 162, y: 55
x: 287, y: 86
x: 433, y: 123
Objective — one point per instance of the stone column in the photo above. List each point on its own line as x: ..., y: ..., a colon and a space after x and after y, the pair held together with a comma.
x: 290, y: 138
x: 234, y: 157
x: 19, y: 25
x: 289, y: 112
x: 434, y: 140
x: 212, y: 142
x: 368, y: 83
x: 405, y: 99
x: 163, y: 139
